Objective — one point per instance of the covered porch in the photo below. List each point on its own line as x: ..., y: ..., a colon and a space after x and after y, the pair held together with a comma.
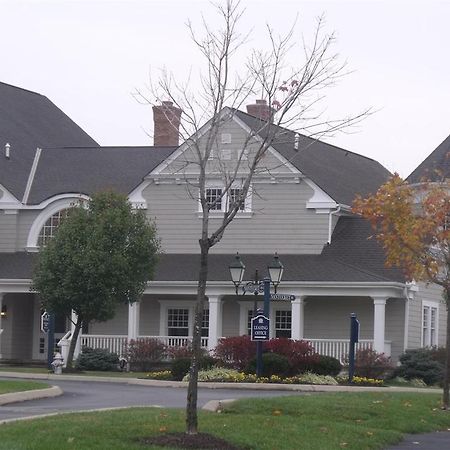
x: 319, y: 314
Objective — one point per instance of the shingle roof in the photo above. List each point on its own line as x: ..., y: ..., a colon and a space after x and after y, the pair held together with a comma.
x: 89, y: 170
x: 435, y: 167
x: 29, y: 120
x: 340, y: 173
x: 330, y: 266
x: 352, y: 244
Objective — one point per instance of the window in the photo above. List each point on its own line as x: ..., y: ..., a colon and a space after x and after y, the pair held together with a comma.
x: 233, y: 197
x: 226, y: 138
x: 250, y: 315
x: 214, y: 199
x: 429, y: 325
x: 178, y: 322
x: 221, y: 201
x: 283, y: 320
x: 52, y: 224
x: 205, y: 323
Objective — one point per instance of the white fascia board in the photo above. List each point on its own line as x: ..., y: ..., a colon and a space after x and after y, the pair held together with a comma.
x: 304, y: 288
x: 283, y: 161
x: 136, y: 198
x: 11, y: 285
x: 320, y: 199
x: 8, y: 201
x: 45, y: 203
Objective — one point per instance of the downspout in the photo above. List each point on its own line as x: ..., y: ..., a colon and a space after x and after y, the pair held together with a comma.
x: 330, y: 222
x: 408, y: 292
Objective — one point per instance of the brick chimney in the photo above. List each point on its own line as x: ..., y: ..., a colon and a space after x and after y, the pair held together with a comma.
x: 166, y: 119
x: 261, y: 110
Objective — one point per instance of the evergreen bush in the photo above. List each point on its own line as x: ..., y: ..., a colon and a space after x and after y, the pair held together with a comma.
x: 97, y: 359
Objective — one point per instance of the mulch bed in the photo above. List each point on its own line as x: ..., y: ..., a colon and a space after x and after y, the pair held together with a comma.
x: 203, y: 441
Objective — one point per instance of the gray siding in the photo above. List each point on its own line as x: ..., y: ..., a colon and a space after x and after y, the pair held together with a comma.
x: 117, y: 325
x: 432, y: 293
x: 16, y: 339
x: 395, y: 326
x: 279, y: 221
x: 319, y: 310
x: 8, y: 224
x: 230, y: 318
x: 150, y: 316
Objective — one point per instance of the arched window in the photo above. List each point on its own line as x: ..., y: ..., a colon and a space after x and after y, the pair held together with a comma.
x: 51, y: 225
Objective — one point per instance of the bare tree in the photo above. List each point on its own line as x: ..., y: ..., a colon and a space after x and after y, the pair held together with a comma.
x: 293, y: 85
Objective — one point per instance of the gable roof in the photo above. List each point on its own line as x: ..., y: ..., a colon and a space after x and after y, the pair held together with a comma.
x: 352, y: 243
x: 340, y: 173
x: 435, y: 167
x: 29, y: 120
x: 89, y: 170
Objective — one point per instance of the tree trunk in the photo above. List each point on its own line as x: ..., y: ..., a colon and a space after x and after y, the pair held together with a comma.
x: 191, y: 406
x: 445, y: 396
x: 73, y: 342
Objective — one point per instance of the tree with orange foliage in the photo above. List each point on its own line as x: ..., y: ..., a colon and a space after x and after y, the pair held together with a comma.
x: 412, y: 223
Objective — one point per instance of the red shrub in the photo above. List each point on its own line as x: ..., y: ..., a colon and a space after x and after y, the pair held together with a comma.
x: 236, y: 351
x: 300, y: 354
x: 371, y: 364
x: 142, y: 353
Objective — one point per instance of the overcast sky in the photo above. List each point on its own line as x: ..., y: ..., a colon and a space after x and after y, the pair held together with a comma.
x: 88, y: 56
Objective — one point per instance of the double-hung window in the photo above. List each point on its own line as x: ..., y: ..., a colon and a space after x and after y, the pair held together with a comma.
x: 429, y: 324
x: 220, y: 201
x: 283, y: 323
x: 178, y: 321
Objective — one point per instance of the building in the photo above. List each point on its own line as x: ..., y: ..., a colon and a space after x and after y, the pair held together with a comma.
x: 299, y: 207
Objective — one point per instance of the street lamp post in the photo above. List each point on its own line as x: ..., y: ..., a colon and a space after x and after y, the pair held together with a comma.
x: 275, y: 269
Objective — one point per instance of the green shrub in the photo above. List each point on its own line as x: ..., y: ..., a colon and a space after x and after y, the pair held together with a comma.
x: 97, y: 359
x: 273, y: 364
x: 180, y: 366
x: 314, y: 378
x: 420, y: 363
x: 325, y: 365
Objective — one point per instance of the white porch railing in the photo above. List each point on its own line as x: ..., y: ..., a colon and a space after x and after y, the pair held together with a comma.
x: 117, y: 343
x: 176, y: 341
x: 339, y: 348
x: 112, y: 343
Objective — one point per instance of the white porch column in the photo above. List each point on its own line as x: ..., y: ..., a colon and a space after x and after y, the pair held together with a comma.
x: 297, y: 323
x: 215, y: 320
x: 379, y: 313
x: 133, y: 320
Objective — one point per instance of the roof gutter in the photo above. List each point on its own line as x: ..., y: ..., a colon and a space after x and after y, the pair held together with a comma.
x: 330, y: 222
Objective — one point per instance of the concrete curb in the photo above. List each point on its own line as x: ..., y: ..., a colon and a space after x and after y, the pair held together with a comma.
x: 211, y: 385
x: 35, y: 394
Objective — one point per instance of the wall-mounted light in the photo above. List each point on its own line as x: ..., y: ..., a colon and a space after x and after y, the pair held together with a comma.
x: 3, y: 312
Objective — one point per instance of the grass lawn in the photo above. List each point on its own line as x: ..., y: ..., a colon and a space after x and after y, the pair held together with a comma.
x: 7, y: 386
x: 320, y: 421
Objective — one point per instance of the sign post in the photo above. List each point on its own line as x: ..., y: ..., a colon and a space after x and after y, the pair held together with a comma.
x: 354, y: 338
x: 260, y: 328
x: 48, y: 326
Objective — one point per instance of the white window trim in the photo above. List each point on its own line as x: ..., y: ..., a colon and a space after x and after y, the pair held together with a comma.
x: 41, y: 219
x: 285, y: 306
x: 165, y: 305
x: 429, y: 304
x: 246, y: 213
